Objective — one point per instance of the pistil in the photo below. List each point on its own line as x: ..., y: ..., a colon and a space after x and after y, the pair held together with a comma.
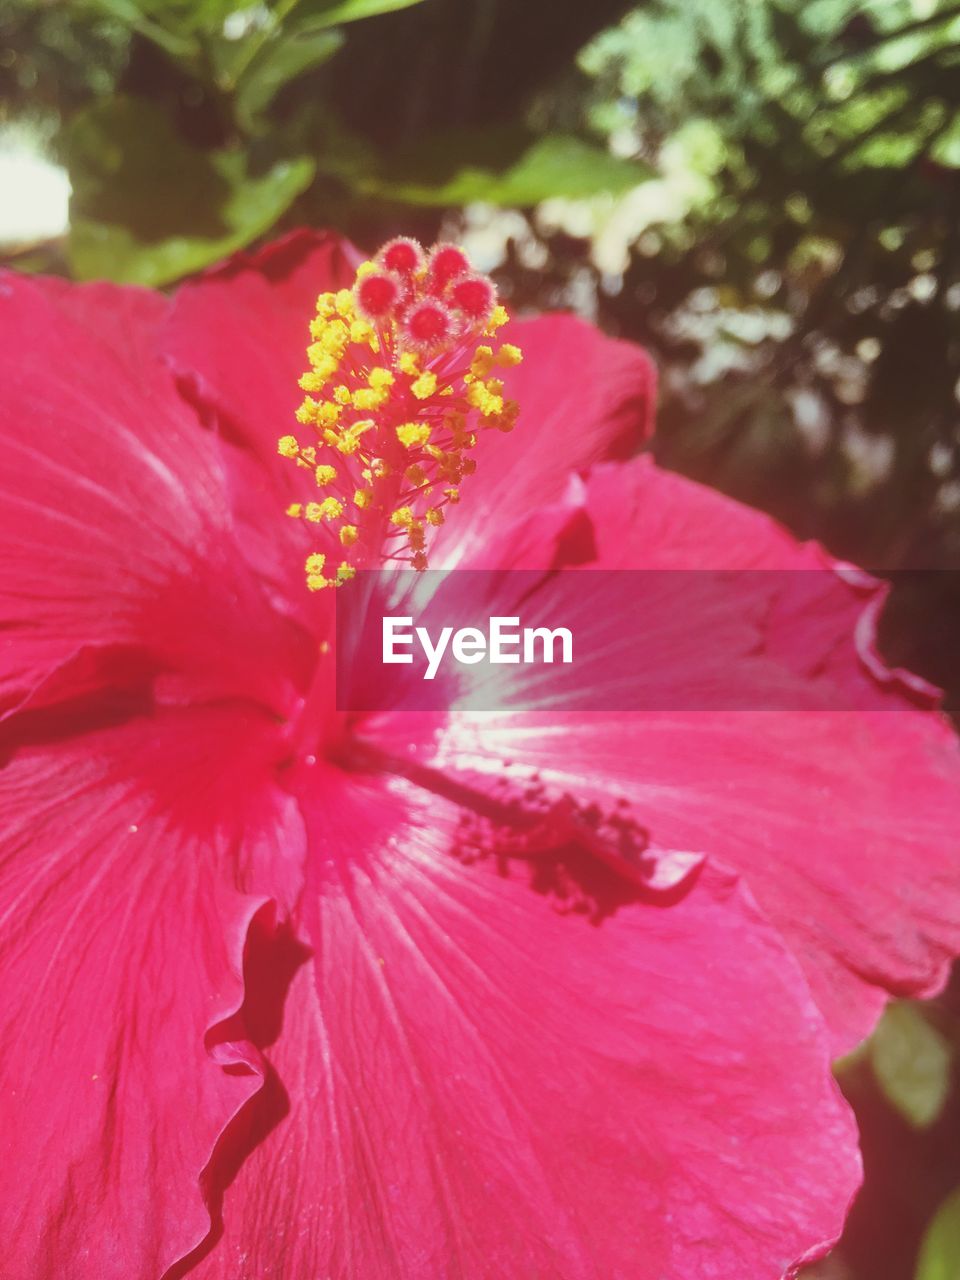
x: 402, y: 379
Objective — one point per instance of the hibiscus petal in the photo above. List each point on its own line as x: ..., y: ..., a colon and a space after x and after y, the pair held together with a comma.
x: 114, y: 526
x: 123, y: 916
x: 484, y: 1085
x: 237, y: 335
x: 236, y: 340
x: 843, y: 823
x: 583, y: 397
x: 822, y: 624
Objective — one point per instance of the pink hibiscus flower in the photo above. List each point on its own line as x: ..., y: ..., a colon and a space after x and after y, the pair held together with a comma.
x: 262, y: 1015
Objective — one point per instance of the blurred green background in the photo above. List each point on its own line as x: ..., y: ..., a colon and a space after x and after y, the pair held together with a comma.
x: 764, y: 192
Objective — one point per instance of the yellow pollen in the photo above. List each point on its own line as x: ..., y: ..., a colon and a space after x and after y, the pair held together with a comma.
x: 344, y: 303
x: 315, y: 562
x: 325, y: 474
x: 348, y: 534
x: 361, y: 498
x: 482, y: 363
x: 328, y: 509
x: 295, y: 510
x: 345, y: 572
x: 509, y: 355
x: 321, y: 413
x: 497, y: 320
x: 486, y: 396
x: 324, y: 367
x: 424, y: 387
x: 409, y: 364
x: 403, y: 517
x: 434, y: 516
x: 349, y: 441
x: 368, y: 398
x: 362, y: 332
x: 334, y: 338
x: 380, y: 378
x: 287, y: 447
x: 412, y: 434
x: 342, y: 394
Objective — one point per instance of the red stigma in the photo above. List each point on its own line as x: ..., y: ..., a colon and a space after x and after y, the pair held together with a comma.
x: 377, y: 294
x: 447, y: 263
x: 402, y: 255
x: 427, y: 324
x: 475, y: 296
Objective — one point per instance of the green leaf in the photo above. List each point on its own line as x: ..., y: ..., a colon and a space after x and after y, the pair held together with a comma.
x: 557, y: 165
x: 289, y: 55
x: 333, y: 12
x: 939, y: 1257
x: 912, y: 1064
x: 148, y: 209
x: 150, y: 21
x: 292, y: 37
x: 172, y: 17
x: 194, y: 30
x: 946, y: 150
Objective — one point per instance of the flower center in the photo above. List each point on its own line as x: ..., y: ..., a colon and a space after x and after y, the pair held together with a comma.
x: 402, y: 379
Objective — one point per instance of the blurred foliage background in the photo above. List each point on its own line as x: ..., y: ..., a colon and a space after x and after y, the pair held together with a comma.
x: 764, y: 192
